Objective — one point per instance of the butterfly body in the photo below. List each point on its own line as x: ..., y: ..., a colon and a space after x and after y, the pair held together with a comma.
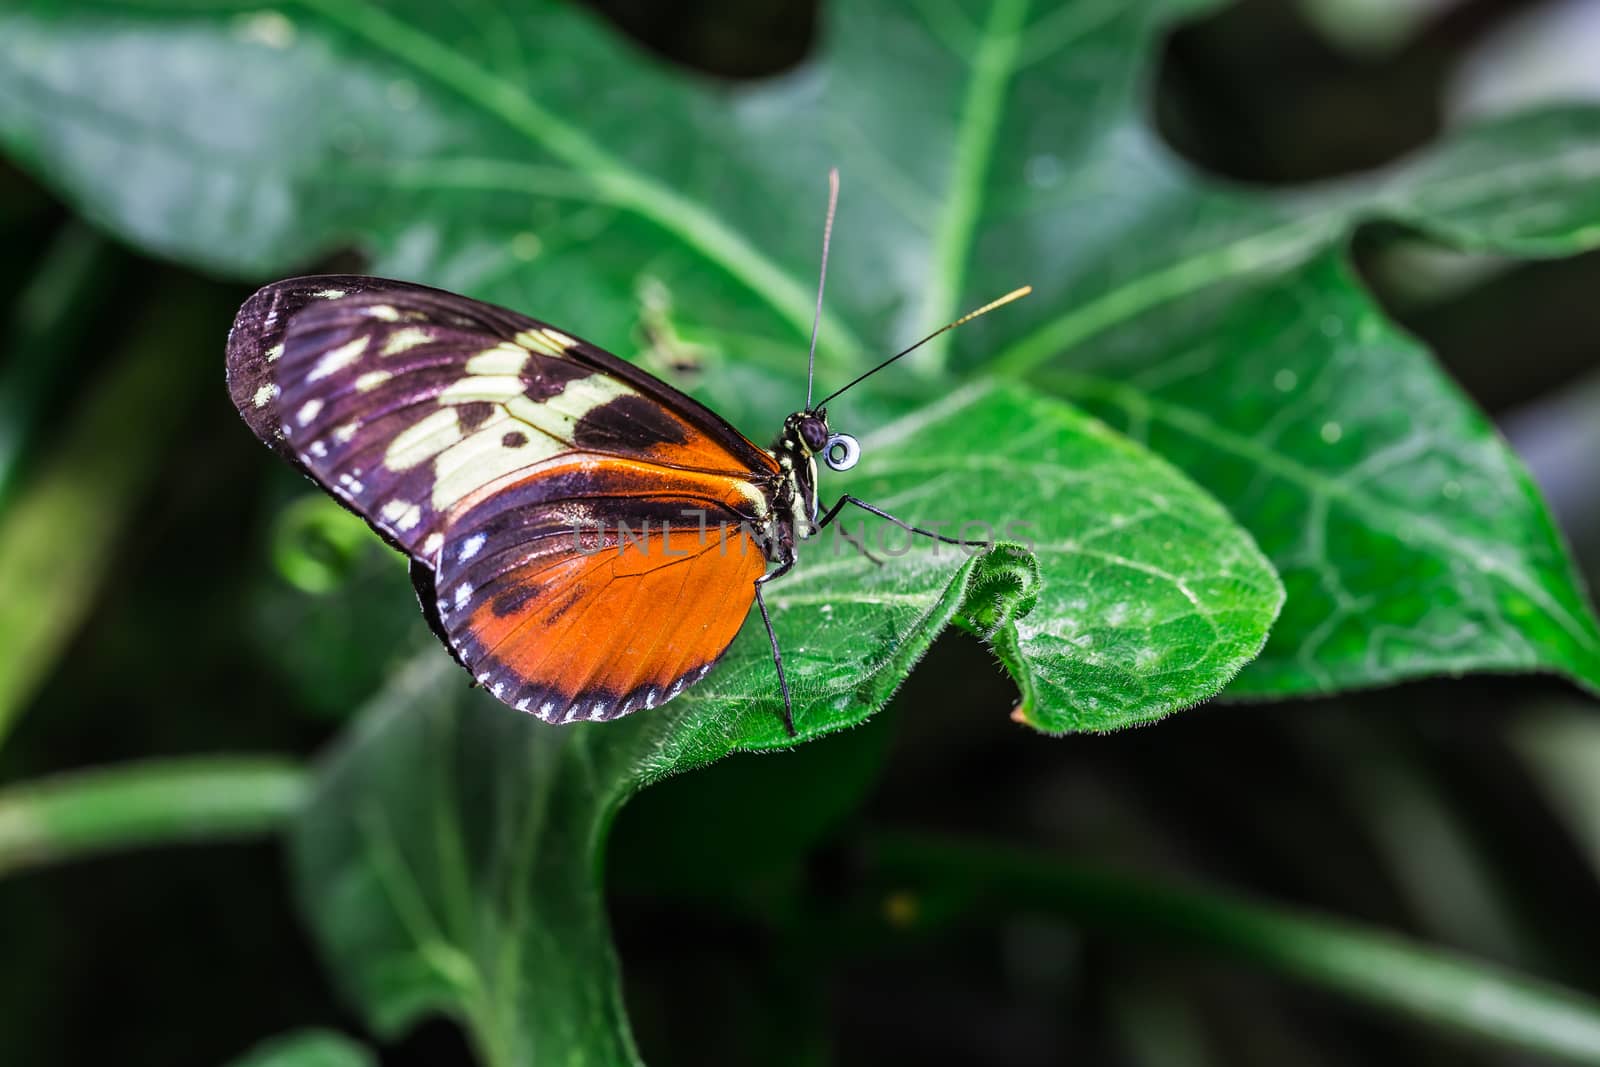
x: 584, y: 538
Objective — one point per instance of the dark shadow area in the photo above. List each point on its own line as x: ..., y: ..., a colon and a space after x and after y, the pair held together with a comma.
x: 726, y: 40
x: 1255, y: 93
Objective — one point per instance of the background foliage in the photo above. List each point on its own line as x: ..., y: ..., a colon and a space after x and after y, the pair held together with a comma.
x: 1265, y: 418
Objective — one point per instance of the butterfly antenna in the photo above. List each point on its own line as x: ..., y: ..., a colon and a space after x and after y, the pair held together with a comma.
x: 1015, y: 294
x: 822, y: 279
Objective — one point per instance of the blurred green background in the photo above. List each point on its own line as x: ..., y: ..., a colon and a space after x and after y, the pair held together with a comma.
x: 193, y: 600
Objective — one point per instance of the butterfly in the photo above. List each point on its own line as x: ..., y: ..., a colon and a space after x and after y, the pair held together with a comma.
x: 516, y: 464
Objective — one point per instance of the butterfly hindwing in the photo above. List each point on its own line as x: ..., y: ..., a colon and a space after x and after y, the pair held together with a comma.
x: 478, y: 441
x: 595, y: 612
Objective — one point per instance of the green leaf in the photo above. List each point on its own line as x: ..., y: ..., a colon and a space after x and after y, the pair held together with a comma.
x: 1410, y: 539
x: 505, y: 153
x: 449, y: 860
x: 1151, y: 598
x: 307, y: 1048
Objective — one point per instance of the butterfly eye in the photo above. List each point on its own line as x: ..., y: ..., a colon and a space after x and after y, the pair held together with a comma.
x: 842, y: 452
x: 814, y: 433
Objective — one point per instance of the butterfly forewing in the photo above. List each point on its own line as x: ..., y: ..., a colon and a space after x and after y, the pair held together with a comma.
x: 511, y: 460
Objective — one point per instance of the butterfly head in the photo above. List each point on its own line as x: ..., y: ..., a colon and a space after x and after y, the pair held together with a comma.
x: 806, y: 434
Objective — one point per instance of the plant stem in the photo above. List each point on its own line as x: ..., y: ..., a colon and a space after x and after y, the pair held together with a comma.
x: 157, y: 802
x: 1379, y: 968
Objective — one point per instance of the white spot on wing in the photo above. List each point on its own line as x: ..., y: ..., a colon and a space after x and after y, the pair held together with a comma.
x: 336, y: 359
x: 403, y: 515
x: 471, y: 547
x: 534, y: 341
x: 501, y: 359
x: 432, y: 544
x: 463, y: 594
x: 423, y: 440
x: 328, y: 294
x: 546, y: 709
x: 384, y: 312
x: 371, y: 380
x: 407, y: 338
x: 308, y: 411
x: 474, y: 388
x: 265, y: 394
x: 276, y: 350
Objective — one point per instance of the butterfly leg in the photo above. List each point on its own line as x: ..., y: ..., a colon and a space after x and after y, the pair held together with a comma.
x: 839, y: 504
x: 777, y: 656
x: 858, y: 545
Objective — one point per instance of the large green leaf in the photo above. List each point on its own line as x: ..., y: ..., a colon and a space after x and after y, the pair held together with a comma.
x: 507, y: 152
x: 1410, y: 539
x: 450, y: 858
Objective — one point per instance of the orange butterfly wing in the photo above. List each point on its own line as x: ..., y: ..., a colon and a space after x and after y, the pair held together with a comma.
x: 562, y: 602
x: 598, y: 634
x: 483, y: 443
